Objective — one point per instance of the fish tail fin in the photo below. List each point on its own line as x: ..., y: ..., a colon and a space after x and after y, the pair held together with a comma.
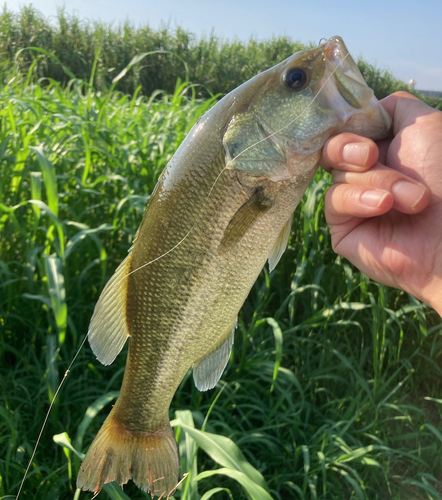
x: 149, y: 458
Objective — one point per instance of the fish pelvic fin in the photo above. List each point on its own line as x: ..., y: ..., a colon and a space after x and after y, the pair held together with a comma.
x: 280, y: 244
x: 108, y: 328
x: 149, y: 458
x: 208, y: 370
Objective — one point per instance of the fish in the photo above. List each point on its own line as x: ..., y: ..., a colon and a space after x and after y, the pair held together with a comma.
x: 222, y: 207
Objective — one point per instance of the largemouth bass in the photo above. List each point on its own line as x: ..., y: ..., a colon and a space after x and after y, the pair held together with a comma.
x: 222, y: 207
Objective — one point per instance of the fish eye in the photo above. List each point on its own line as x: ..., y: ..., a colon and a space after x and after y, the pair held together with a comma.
x: 296, y: 79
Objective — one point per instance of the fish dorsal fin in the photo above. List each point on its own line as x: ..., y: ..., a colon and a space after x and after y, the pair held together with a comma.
x: 108, y: 328
x: 208, y: 370
x: 247, y: 214
x: 280, y: 244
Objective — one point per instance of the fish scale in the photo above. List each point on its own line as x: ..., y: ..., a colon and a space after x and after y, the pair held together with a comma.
x: 221, y: 208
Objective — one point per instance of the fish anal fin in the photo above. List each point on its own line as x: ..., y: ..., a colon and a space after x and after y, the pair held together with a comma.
x: 280, y: 244
x: 108, y: 328
x: 245, y: 217
x: 208, y: 370
x: 150, y: 459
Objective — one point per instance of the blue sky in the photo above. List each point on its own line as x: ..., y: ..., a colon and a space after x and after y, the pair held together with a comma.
x: 402, y: 36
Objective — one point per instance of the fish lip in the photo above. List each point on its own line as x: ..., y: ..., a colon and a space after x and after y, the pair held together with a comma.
x: 340, y: 65
x: 339, y: 57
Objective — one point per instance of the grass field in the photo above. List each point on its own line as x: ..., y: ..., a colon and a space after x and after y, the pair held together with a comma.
x: 215, y: 65
x: 332, y: 390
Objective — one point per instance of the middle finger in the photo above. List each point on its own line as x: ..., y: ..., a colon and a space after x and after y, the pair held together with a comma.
x: 410, y: 196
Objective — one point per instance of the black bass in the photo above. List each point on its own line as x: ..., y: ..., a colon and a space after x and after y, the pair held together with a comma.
x: 222, y: 207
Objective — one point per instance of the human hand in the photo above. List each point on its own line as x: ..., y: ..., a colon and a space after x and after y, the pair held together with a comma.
x: 385, y: 207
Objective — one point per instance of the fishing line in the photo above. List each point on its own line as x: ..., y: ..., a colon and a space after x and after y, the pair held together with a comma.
x: 177, y: 245
x: 47, y: 415
x: 75, y: 357
x: 160, y: 257
x: 163, y: 255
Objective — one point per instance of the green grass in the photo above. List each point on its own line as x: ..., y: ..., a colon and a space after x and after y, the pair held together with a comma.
x: 332, y: 390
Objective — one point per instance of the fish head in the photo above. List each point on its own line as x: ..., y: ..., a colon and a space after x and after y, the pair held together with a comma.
x: 293, y: 108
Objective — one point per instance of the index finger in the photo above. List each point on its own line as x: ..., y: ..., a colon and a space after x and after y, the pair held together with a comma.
x: 349, y: 152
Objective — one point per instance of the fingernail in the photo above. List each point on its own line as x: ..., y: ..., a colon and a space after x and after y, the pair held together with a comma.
x: 355, y: 153
x: 373, y: 198
x: 408, y: 193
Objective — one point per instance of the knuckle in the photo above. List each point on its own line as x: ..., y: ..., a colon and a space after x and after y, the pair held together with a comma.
x: 402, y: 94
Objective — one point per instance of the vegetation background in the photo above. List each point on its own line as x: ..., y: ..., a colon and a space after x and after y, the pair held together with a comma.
x: 332, y: 390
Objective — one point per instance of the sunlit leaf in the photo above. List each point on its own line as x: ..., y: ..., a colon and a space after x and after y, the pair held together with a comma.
x: 255, y: 491
x: 224, y: 451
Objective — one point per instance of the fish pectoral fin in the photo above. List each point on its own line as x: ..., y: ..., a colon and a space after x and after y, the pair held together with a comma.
x: 280, y: 244
x: 208, y: 370
x: 249, y: 212
x: 108, y: 328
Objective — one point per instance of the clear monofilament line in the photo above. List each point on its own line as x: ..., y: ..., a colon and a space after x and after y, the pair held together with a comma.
x: 158, y: 258
x: 47, y: 416
x: 168, y: 252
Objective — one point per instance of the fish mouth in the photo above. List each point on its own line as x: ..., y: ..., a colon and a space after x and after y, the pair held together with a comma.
x: 343, y: 89
x: 345, y: 73
x: 337, y: 53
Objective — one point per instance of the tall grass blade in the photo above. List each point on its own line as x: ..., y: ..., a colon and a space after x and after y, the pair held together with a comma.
x: 57, y: 293
x: 52, y: 377
x: 224, y: 451
x: 213, y: 491
x: 49, y: 178
x: 188, y: 458
x: 254, y: 491
x: 91, y: 412
x: 277, y: 333
x: 36, y: 179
